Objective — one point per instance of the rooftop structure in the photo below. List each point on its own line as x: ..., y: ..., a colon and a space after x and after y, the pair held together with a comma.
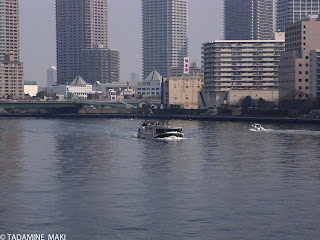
x: 194, y: 69
x: 151, y: 86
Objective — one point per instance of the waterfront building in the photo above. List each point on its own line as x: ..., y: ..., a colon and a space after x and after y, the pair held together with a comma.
x: 100, y: 64
x: 52, y: 76
x: 79, y: 25
x: 31, y: 88
x: 291, y: 11
x: 182, y: 92
x: 77, y: 88
x: 164, y: 35
x: 315, y: 75
x: 248, y: 19
x: 121, y: 88
x: 238, y: 68
x: 11, y: 69
x: 11, y: 78
x: 151, y: 86
x: 194, y: 71
x: 301, y: 37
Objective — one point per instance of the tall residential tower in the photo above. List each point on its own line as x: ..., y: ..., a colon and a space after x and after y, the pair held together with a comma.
x: 248, y: 19
x: 11, y: 69
x: 79, y: 25
x: 290, y: 11
x: 164, y: 35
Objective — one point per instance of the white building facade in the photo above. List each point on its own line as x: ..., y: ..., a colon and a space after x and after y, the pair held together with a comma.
x: 151, y: 86
x: 31, y: 88
x: 251, y: 66
x: 77, y: 88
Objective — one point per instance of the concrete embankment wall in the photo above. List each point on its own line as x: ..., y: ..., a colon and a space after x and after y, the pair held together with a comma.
x: 169, y: 117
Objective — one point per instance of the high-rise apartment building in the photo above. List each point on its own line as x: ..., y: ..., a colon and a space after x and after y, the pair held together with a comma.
x: 164, y: 35
x: 100, y: 64
x: 11, y: 70
x: 290, y: 11
x: 301, y: 38
x: 79, y: 25
x: 51, y: 76
x: 239, y: 68
x: 248, y: 19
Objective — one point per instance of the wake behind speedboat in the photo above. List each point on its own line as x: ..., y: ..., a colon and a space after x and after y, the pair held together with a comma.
x: 257, y: 127
x: 158, y: 130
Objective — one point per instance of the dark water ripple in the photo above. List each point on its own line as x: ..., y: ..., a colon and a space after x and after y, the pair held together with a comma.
x: 94, y: 179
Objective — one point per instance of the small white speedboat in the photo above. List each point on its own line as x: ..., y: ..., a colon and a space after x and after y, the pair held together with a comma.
x: 257, y: 127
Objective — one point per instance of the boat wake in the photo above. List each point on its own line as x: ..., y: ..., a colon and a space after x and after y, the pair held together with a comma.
x: 170, y: 139
x: 255, y: 130
x: 294, y: 132
x: 289, y: 132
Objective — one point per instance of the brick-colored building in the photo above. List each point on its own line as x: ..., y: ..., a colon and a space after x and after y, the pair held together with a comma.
x: 294, y: 73
x: 182, y: 91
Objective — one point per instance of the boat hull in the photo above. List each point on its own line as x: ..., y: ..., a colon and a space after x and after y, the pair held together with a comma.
x: 157, y: 132
x: 166, y: 135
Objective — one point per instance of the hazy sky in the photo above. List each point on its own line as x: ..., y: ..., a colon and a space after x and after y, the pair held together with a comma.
x: 38, y: 43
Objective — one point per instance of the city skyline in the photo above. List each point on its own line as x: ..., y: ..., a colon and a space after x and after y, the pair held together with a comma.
x: 38, y: 48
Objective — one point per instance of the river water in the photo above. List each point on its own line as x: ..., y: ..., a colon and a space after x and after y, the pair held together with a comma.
x: 94, y: 179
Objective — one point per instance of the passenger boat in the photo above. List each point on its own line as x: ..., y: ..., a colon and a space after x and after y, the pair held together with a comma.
x: 257, y: 127
x: 158, y: 130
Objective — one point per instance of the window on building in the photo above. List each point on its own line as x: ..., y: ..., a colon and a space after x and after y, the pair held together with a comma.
x: 307, y: 80
x: 300, y: 80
